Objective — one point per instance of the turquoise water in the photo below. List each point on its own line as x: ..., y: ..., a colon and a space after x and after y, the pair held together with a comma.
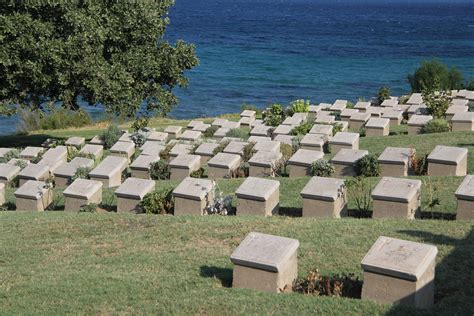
x: 264, y: 51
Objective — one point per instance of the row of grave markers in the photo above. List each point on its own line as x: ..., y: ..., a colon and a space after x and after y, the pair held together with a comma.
x: 394, y: 270
x: 398, y: 198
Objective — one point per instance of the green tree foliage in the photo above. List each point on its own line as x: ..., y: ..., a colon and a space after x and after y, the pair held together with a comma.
x: 108, y: 52
x: 436, y: 75
x: 437, y: 102
x: 383, y: 94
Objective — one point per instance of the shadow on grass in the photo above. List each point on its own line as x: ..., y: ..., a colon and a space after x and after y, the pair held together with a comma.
x: 222, y: 274
x: 453, y: 277
x: 23, y: 140
x: 290, y: 211
x: 356, y: 213
x: 438, y: 215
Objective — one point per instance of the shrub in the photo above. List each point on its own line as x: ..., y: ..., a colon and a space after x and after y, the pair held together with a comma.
x: 322, y: 168
x: 210, y: 131
x: 419, y: 165
x: 368, y: 166
x: 86, y: 155
x: 165, y: 153
x: 242, y: 133
x: 436, y: 102
x: 140, y: 123
x: 90, y: 208
x: 160, y: 170
x: 436, y: 126
x: 360, y: 191
x: 81, y: 173
x: 158, y: 202
x: 275, y: 115
x: 350, y: 105
x: 300, y: 106
x: 296, y: 143
x: 197, y: 173
x: 403, y: 99
x: 436, y: 75
x: 111, y: 135
x: 336, y: 128
x: 242, y: 172
x: 21, y: 163
x: 12, y: 154
x: 344, y: 285
x: 248, y: 152
x: 302, y: 129
x: 71, y: 153
x: 286, y: 151
x: 383, y: 94
x: 220, y: 148
x: 57, y: 118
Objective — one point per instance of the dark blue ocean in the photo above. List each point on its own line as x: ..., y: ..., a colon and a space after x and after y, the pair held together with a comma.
x: 264, y: 51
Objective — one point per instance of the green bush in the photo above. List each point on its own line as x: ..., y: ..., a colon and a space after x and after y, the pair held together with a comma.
x: 90, y: 208
x: 302, y: 129
x: 436, y: 102
x: 220, y: 148
x: 249, y: 151
x: 383, y: 94
x: 140, y: 123
x: 21, y: 163
x: 336, y: 128
x: 436, y: 126
x: 242, y: 133
x: 12, y: 154
x: 165, y: 153
x: 436, y: 75
x: 419, y: 165
x: 322, y: 168
x: 210, y: 131
x: 160, y: 170
x: 275, y: 115
x: 81, y: 173
x: 61, y: 118
x: 300, y: 106
x: 403, y: 99
x: 296, y: 143
x: 368, y: 166
x: 286, y: 151
x: 197, y: 173
x: 158, y: 202
x: 111, y: 135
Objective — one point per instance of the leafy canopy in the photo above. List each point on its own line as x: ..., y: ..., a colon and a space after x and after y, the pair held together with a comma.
x: 109, y: 52
x: 435, y: 75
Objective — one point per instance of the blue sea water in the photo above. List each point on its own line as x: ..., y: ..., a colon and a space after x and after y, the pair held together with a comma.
x: 264, y: 51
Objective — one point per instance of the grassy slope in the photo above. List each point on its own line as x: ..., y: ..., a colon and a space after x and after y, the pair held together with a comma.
x: 54, y: 263
x: 122, y: 263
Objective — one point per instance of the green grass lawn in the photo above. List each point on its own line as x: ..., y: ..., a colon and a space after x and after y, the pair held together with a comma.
x: 109, y: 263
x: 58, y: 263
